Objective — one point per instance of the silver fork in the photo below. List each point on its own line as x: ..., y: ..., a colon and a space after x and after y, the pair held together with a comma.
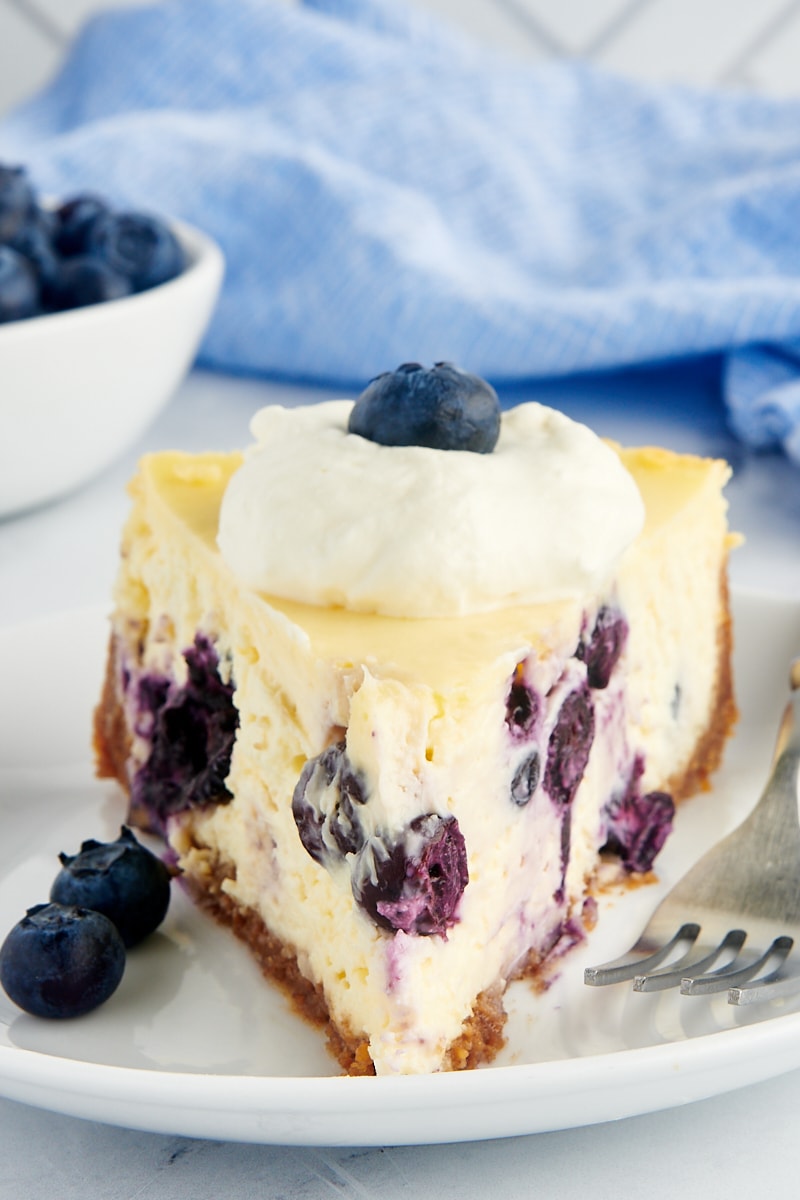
x: 731, y: 921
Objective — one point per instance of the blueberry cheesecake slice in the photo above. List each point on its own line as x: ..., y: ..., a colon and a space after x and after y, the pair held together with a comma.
x: 397, y: 680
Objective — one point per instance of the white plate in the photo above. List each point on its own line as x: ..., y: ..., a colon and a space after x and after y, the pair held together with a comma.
x: 195, y: 1043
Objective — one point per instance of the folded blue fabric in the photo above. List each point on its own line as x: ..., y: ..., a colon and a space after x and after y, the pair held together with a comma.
x: 386, y: 190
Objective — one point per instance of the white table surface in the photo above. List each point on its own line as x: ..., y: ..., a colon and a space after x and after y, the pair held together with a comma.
x: 64, y: 557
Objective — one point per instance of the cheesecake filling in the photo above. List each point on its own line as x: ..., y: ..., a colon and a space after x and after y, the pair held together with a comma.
x: 371, y: 834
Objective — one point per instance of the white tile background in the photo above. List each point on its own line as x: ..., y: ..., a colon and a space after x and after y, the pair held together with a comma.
x: 738, y: 43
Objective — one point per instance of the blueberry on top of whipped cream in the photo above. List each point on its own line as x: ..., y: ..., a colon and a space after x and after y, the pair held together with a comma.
x: 442, y: 407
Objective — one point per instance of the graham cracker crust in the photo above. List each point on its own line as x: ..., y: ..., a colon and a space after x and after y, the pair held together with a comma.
x: 111, y: 739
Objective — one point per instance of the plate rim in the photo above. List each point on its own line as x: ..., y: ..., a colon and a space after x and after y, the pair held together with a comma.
x: 318, y: 1110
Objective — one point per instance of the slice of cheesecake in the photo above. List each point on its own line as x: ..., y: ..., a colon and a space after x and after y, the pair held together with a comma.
x: 399, y: 814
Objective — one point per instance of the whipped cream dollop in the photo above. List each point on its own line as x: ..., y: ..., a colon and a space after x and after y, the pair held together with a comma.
x: 326, y: 517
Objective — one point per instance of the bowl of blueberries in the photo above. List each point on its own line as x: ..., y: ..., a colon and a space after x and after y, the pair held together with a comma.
x: 101, y: 315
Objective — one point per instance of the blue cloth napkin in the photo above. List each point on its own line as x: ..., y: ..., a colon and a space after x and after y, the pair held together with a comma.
x: 385, y: 190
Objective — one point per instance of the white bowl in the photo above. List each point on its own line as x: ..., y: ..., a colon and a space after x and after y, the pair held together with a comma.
x: 77, y: 388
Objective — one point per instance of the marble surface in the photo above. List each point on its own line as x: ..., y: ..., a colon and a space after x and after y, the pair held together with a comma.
x: 64, y: 556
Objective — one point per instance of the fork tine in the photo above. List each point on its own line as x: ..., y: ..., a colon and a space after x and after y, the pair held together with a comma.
x: 777, y: 984
x: 726, y: 977
x: 625, y: 967
x: 671, y: 976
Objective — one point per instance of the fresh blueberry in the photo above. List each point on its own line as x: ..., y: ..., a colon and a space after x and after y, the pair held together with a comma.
x: 19, y: 290
x: 47, y: 220
x: 74, y: 219
x: 16, y: 200
x: 324, y: 805
x: 120, y: 879
x: 191, y: 730
x: 34, y: 241
x: 81, y: 281
x: 139, y: 247
x: 415, y: 883
x: 638, y: 825
x: 526, y: 779
x: 605, y: 645
x: 61, y: 961
x: 441, y: 407
x: 569, y: 747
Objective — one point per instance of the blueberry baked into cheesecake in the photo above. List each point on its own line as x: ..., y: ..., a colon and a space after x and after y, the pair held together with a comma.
x: 393, y: 683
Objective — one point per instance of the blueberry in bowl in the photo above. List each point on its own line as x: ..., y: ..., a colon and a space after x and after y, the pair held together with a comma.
x: 78, y: 252
x: 17, y: 200
x: 82, y: 280
x: 19, y: 287
x: 137, y: 247
x: 97, y: 346
x: 72, y: 220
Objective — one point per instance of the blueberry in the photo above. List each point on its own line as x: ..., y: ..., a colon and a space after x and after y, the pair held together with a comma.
x: 34, y: 241
x: 522, y: 710
x: 61, y: 961
x: 120, y: 879
x: 415, y: 882
x: 82, y: 280
x: 191, y: 730
x: 324, y: 805
x: 16, y: 200
x: 74, y: 219
x: 139, y: 247
x: 605, y: 645
x: 526, y: 779
x: 638, y: 825
x: 569, y: 747
x: 19, y: 290
x: 345, y: 826
x: 316, y: 778
x: 308, y: 816
x: 441, y: 407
